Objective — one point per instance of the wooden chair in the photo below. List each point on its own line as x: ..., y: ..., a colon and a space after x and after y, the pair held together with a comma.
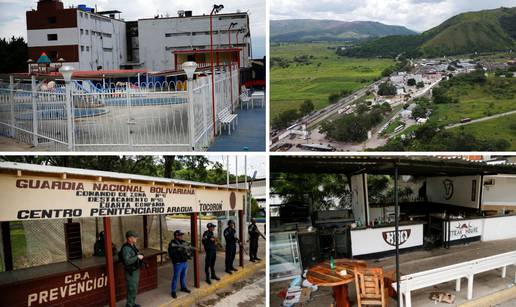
x: 370, y: 287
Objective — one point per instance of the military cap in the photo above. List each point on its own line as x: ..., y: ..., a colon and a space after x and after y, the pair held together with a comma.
x: 131, y: 233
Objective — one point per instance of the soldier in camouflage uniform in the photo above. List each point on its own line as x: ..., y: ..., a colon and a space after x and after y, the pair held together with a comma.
x: 131, y: 259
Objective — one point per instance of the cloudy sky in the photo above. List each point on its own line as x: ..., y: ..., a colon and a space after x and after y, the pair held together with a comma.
x: 254, y: 162
x: 12, y: 13
x: 418, y: 15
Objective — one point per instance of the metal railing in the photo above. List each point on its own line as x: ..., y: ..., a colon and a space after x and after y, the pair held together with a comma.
x: 165, y: 116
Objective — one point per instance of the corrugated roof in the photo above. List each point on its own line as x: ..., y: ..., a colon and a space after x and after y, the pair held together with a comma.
x: 407, y: 165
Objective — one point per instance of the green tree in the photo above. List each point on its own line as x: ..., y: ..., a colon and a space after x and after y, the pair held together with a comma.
x: 320, y: 190
x: 13, y: 53
x: 306, y: 107
x: 386, y: 89
x: 285, y: 119
x: 333, y: 98
x: 411, y: 82
x: 420, y: 84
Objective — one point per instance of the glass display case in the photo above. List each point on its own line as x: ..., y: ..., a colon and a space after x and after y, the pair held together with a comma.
x: 285, y: 262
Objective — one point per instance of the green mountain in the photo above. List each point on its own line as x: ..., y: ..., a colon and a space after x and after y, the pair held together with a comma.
x: 482, y: 31
x: 309, y: 30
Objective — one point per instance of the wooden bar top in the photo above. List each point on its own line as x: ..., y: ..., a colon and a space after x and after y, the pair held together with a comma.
x: 323, y: 275
x: 59, y: 268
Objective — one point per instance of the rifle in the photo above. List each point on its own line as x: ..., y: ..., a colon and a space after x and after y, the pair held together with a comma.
x: 260, y: 233
x: 243, y: 247
x: 183, y: 246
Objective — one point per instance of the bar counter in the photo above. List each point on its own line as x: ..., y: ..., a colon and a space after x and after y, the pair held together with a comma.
x: 81, y: 282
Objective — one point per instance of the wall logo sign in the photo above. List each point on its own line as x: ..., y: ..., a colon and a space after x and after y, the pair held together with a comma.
x: 465, y: 230
x: 390, y: 238
x: 448, y: 188
x: 232, y: 200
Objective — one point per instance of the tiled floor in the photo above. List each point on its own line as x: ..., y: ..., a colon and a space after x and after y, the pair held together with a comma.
x: 249, y: 134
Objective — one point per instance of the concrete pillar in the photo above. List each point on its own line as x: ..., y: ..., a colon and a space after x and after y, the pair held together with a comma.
x: 457, y: 285
x: 195, y: 243
x: 34, y: 111
x: 470, y: 286
x: 504, y: 271
x: 408, y: 299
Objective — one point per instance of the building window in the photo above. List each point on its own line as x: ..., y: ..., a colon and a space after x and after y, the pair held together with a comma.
x: 82, y: 31
x: 82, y: 48
x: 87, y: 48
x: 52, y: 37
x: 87, y: 32
x: 52, y: 19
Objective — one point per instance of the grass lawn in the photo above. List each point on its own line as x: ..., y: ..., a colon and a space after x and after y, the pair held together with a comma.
x: 498, y: 128
x: 475, y: 101
x: 18, y: 245
x: 327, y: 74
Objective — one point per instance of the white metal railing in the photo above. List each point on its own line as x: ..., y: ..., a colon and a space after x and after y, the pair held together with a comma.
x: 175, y: 116
x: 412, y: 282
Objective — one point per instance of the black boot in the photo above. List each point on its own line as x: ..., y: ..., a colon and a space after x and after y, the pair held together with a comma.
x: 215, y: 277
x: 185, y: 290
x: 208, y: 281
x: 229, y: 272
x: 174, y: 295
x: 233, y: 269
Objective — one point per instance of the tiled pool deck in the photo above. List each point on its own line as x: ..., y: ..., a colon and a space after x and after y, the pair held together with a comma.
x: 249, y: 134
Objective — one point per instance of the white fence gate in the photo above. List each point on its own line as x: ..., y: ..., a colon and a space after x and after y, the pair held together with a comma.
x: 134, y: 118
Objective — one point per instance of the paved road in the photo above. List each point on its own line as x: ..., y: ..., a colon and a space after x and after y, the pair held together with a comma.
x: 242, y: 293
x: 480, y: 119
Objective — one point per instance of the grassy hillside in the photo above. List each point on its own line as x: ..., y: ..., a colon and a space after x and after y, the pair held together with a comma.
x: 498, y: 128
x: 482, y: 31
x: 477, y: 100
x: 324, y: 73
x: 311, y: 30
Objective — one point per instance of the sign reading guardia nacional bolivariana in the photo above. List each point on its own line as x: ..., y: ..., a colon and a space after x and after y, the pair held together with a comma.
x: 29, y: 198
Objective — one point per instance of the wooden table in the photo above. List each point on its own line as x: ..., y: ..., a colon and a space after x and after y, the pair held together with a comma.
x: 322, y: 275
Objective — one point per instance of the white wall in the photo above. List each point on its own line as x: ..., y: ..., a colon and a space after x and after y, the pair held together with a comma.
x: 65, y: 36
x: 156, y: 48
x: 501, y: 193
x: 498, y: 228
x: 457, y: 191
x: 375, y: 240
x: 358, y: 201
x: 109, y: 49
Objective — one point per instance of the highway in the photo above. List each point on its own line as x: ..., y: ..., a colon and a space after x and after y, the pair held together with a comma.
x: 312, y: 120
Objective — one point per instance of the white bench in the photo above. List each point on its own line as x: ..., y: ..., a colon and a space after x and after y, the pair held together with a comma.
x: 227, y: 119
x: 455, y: 272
